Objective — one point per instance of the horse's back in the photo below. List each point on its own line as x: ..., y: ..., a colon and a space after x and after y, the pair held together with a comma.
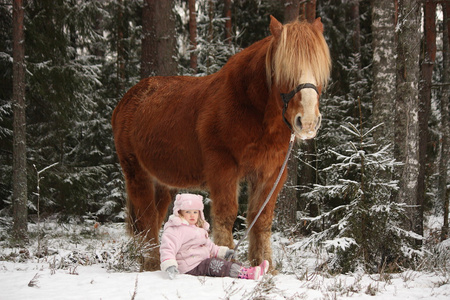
x: 138, y: 95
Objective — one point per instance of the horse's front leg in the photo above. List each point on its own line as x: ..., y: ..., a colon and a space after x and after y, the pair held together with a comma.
x: 223, y: 186
x: 259, y: 236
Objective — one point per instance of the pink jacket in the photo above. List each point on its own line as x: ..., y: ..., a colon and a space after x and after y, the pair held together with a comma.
x: 185, y: 246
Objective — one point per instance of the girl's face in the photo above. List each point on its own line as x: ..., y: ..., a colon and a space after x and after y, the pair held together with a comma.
x: 190, y: 215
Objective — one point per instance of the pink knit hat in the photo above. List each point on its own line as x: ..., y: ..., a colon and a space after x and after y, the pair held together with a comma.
x: 188, y: 202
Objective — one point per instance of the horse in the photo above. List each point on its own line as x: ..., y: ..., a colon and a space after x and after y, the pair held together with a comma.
x: 214, y: 132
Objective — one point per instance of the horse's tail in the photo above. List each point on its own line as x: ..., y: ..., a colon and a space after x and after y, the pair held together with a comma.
x: 147, y: 200
x: 156, y: 209
x: 121, y: 119
x: 131, y: 219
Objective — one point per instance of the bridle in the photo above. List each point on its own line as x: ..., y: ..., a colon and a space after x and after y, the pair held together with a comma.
x: 288, y: 96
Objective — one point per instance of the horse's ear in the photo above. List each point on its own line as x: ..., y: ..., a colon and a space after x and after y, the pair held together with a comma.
x: 318, y: 24
x: 275, y: 27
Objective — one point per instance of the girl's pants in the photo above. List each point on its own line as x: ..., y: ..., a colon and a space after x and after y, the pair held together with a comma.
x: 216, y: 267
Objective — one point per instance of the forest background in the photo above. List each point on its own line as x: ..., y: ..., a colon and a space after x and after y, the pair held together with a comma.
x: 363, y: 187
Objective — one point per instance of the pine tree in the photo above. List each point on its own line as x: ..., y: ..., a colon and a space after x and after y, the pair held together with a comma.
x: 443, y: 187
x: 286, y: 208
x: 96, y: 174
x: 158, y: 38
x: 20, y: 193
x: 363, y: 230
x: 59, y: 96
x: 427, y: 60
x: 350, y: 81
x: 407, y: 106
x: 85, y: 74
x: 6, y: 130
x: 383, y: 16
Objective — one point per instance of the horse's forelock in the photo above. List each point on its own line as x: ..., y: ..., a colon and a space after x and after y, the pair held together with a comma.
x: 301, y: 47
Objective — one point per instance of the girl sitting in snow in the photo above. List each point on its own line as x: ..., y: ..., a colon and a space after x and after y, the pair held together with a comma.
x: 187, y: 249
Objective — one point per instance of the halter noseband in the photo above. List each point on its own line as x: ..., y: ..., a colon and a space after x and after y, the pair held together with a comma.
x: 288, y: 96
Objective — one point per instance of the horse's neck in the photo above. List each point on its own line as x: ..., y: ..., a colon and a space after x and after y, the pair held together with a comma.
x: 247, y: 71
x: 273, y: 119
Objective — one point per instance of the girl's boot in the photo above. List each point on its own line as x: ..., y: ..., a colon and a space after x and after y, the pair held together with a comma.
x: 254, y: 272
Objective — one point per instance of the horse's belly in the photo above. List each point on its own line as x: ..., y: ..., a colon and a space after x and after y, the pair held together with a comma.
x: 173, y: 157
x: 176, y: 169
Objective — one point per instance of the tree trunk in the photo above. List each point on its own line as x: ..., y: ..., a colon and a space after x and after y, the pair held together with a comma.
x: 286, y: 210
x: 407, y: 104
x: 20, y: 213
x: 307, y: 175
x: 426, y: 72
x: 120, y: 50
x: 193, y: 35
x: 443, y: 191
x: 310, y: 11
x: 308, y: 147
x: 383, y: 43
x: 210, y: 33
x: 158, y: 42
x: 354, y: 15
x: 228, y: 27
x: 291, y: 10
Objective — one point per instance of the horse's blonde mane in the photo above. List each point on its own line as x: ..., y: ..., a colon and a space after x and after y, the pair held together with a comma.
x: 300, y: 48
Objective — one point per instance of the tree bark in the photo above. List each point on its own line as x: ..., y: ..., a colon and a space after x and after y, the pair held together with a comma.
x: 426, y: 72
x: 158, y: 42
x: 310, y: 12
x: 307, y: 175
x: 443, y: 191
x: 407, y: 104
x: 291, y: 10
x: 210, y: 33
x: 305, y: 167
x: 286, y: 210
x: 228, y: 27
x: 383, y: 44
x: 193, y: 35
x: 20, y: 213
x: 356, y: 36
x: 120, y: 50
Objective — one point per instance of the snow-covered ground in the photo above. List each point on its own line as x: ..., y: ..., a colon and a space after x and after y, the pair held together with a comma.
x: 89, y: 262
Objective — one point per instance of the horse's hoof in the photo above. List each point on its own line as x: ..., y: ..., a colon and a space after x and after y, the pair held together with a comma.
x: 150, y: 264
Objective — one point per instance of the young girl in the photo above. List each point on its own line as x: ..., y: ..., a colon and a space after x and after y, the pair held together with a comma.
x: 187, y: 249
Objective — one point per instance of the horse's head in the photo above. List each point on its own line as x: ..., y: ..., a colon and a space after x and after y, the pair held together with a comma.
x: 298, y: 66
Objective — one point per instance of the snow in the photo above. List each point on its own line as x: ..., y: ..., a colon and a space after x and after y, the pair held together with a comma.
x: 81, y: 263
x: 95, y: 282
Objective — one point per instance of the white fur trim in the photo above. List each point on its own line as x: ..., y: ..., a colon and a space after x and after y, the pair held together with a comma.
x: 168, y: 263
x: 222, y: 251
x: 177, y: 220
x: 184, y: 221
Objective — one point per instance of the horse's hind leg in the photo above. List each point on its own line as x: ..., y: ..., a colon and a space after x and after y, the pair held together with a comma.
x: 162, y: 199
x: 164, y: 196
x: 143, y: 215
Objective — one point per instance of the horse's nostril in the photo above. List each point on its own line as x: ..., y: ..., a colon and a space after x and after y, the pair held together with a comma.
x: 319, y: 121
x: 298, y: 122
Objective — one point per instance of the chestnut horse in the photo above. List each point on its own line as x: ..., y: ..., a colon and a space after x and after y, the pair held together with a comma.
x: 215, y: 131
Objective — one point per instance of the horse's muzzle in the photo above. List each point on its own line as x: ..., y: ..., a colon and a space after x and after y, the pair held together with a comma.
x: 307, y: 129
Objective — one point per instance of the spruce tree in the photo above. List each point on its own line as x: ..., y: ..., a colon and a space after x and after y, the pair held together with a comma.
x: 363, y: 229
